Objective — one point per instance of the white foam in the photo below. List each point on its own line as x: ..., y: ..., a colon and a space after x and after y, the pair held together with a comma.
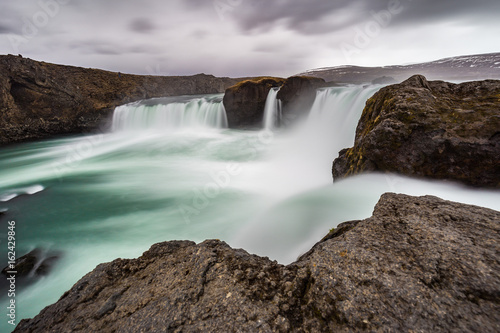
x: 11, y: 194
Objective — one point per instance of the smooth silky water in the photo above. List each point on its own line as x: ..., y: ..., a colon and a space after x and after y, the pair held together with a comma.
x: 170, y: 170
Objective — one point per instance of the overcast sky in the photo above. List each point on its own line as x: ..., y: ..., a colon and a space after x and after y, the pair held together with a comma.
x: 245, y: 37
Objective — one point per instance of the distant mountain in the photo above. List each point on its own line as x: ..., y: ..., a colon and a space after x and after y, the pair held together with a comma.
x: 461, y: 68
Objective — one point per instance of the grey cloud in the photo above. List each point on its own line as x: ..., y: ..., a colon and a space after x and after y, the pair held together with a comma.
x: 200, y: 34
x: 104, y: 49
x: 4, y: 29
x: 262, y: 14
x: 108, y: 47
x: 430, y: 9
x: 141, y: 25
x: 254, y: 37
x: 305, y: 16
x: 97, y: 47
x: 269, y: 47
x: 10, y: 20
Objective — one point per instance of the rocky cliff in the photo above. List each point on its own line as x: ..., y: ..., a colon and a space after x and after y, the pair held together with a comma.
x: 38, y: 99
x: 419, y: 264
x: 245, y: 101
x: 297, y: 95
x: 429, y: 129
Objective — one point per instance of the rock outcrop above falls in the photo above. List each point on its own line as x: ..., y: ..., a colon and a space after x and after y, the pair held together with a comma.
x: 38, y: 99
x: 245, y: 101
x: 297, y: 95
x: 429, y: 129
x: 419, y: 264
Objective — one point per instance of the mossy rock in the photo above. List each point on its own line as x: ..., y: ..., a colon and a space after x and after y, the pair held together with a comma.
x: 430, y: 129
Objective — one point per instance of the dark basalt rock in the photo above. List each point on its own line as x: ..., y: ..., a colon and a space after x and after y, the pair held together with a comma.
x: 36, y: 262
x: 417, y: 265
x: 245, y: 101
x: 30, y: 267
x: 429, y: 129
x: 297, y: 95
x: 23, y: 265
x: 39, y: 100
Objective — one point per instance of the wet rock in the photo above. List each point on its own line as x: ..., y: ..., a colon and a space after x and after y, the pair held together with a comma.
x: 245, y: 101
x: 418, y: 264
x: 35, y: 263
x: 431, y: 129
x: 297, y: 95
x: 39, y: 100
x: 28, y: 268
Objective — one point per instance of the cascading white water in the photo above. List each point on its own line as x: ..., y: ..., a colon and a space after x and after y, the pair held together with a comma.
x: 272, y: 110
x: 305, y: 202
x: 334, y: 115
x: 310, y: 147
x: 171, y: 113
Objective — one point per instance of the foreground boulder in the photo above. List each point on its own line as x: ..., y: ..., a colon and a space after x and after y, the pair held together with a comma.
x: 429, y: 129
x: 39, y: 100
x: 418, y: 264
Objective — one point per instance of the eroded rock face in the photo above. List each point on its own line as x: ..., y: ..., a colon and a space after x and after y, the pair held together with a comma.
x: 245, y: 101
x: 38, y: 99
x: 297, y: 95
x: 418, y: 264
x: 429, y: 129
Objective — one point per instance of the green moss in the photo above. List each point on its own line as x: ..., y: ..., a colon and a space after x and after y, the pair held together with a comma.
x: 257, y: 80
x: 317, y: 314
x: 407, y: 117
x: 355, y: 161
x: 371, y: 109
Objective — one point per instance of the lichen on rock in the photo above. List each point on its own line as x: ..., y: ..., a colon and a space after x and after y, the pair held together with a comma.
x: 429, y: 129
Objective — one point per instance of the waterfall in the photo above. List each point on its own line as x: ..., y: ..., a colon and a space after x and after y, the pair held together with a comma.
x: 335, y: 114
x: 310, y: 147
x: 272, y: 110
x: 171, y: 113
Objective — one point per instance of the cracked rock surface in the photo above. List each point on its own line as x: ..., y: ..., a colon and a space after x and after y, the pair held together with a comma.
x: 419, y: 264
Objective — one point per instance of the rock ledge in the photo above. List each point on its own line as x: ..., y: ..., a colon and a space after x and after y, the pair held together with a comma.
x: 429, y: 129
x: 418, y: 264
